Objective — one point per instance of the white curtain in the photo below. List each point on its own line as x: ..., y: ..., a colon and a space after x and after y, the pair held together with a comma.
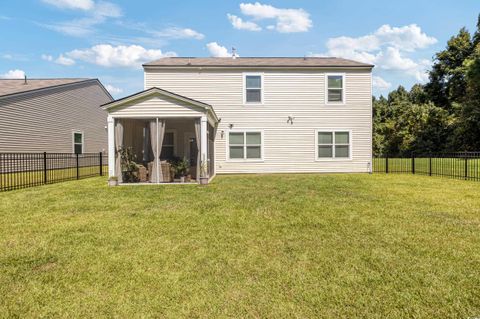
x: 118, y: 146
x: 197, y: 136
x: 161, y: 134
x: 153, y: 140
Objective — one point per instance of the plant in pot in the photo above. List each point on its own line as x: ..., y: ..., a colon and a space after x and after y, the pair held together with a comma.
x: 129, y: 167
x: 182, y: 168
x: 113, y: 181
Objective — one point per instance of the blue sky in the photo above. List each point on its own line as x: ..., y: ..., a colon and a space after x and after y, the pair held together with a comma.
x: 110, y: 39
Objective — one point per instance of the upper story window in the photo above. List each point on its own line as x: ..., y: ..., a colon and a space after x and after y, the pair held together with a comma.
x: 78, y: 142
x: 253, y: 88
x: 245, y: 145
x: 335, y: 88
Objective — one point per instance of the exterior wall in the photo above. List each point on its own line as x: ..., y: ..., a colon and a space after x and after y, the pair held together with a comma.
x: 44, y: 121
x: 157, y: 106
x: 298, y: 93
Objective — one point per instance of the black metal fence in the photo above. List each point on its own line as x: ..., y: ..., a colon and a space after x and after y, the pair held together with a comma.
x: 459, y: 165
x: 20, y: 170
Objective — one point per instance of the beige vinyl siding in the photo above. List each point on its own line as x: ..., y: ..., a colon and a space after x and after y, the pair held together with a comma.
x: 154, y: 107
x: 299, y: 93
x: 44, y: 121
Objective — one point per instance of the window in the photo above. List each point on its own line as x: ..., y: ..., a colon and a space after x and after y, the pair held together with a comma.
x: 77, y: 142
x: 168, y: 146
x: 335, y: 88
x: 245, y: 145
x: 253, y: 89
x: 334, y: 144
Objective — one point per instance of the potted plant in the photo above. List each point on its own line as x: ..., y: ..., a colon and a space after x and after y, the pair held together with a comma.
x: 113, y: 181
x: 203, y: 173
x: 182, y: 168
x: 129, y: 167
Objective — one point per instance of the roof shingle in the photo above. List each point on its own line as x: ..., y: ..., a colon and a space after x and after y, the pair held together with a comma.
x: 257, y: 62
x: 13, y: 86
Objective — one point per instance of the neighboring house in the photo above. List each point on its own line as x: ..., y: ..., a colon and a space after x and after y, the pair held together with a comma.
x: 251, y: 115
x: 53, y: 115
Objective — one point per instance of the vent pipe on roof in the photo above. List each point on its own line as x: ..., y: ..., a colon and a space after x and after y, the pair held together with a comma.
x: 234, y: 53
x: 25, y: 80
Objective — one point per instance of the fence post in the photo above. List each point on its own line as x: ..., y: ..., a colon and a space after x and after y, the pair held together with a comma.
x: 430, y: 165
x: 413, y: 163
x: 466, y: 166
x: 101, y: 165
x: 78, y: 175
x: 45, y: 179
x: 386, y: 164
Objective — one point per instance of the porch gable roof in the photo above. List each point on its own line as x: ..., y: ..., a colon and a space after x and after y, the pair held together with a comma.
x: 158, y: 91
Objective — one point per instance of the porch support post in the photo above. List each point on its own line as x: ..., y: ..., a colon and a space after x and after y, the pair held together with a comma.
x: 203, y: 142
x: 111, y: 145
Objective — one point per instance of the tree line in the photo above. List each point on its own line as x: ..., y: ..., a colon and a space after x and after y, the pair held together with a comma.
x: 442, y: 115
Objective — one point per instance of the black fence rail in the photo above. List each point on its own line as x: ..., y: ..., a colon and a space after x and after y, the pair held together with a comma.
x: 459, y: 165
x: 20, y: 170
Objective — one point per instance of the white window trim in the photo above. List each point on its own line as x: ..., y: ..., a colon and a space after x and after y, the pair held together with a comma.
x: 262, y: 154
x: 329, y: 159
x: 174, y: 131
x: 73, y: 141
x: 344, y: 89
x: 244, y: 92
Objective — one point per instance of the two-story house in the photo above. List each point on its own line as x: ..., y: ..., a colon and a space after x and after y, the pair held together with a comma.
x: 248, y: 115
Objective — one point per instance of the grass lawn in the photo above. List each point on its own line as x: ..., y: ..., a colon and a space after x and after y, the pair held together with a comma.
x: 328, y: 246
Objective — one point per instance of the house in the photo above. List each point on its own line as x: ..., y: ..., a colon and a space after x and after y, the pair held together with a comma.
x: 247, y: 115
x: 53, y: 115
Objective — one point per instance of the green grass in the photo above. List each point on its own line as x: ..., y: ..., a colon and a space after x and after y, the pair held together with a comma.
x: 333, y: 246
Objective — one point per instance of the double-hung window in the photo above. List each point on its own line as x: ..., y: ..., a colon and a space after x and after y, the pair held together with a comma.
x: 168, y: 146
x: 245, y: 145
x: 253, y: 88
x: 333, y: 144
x: 335, y: 88
x: 78, y: 142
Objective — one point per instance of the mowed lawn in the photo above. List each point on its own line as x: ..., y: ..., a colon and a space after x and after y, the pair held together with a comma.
x: 333, y: 246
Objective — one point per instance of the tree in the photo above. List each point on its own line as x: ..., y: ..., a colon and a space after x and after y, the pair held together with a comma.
x: 447, y: 77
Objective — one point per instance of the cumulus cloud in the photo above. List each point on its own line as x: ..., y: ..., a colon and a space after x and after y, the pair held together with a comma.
x: 71, y: 4
x: 113, y: 90
x: 13, y: 74
x: 386, y: 48
x: 47, y: 57
x: 96, y: 13
x: 380, y: 83
x: 218, y: 51
x: 179, y: 33
x: 239, y: 24
x: 63, y: 60
x: 106, y: 55
x: 286, y: 20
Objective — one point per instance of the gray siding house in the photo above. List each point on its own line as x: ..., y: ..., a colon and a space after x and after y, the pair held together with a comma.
x: 53, y: 115
x: 248, y: 115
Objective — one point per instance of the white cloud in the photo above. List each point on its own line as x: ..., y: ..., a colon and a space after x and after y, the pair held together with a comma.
x: 63, y: 60
x: 218, y: 51
x: 71, y: 4
x: 386, y: 48
x: 117, y: 56
x: 13, y: 74
x: 287, y: 20
x: 239, y: 24
x: 96, y: 14
x: 47, y: 57
x: 179, y: 33
x: 380, y: 83
x: 113, y: 90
